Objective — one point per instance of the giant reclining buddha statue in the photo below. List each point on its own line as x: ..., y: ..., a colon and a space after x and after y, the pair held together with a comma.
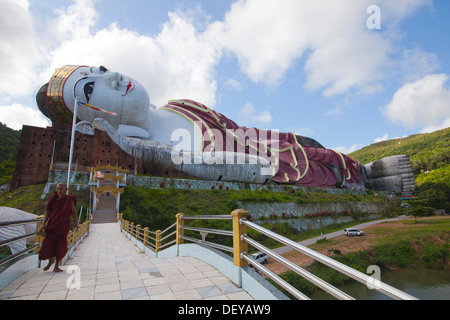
x: 189, y: 136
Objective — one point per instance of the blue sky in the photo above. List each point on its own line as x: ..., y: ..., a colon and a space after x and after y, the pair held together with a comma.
x: 310, y: 67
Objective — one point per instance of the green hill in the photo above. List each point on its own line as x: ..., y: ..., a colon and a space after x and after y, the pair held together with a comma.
x: 427, y: 151
x: 9, y: 142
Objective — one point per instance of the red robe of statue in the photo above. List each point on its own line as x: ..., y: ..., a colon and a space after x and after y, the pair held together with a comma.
x: 297, y: 164
x: 57, y: 228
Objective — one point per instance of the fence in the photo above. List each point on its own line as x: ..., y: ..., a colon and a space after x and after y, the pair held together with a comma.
x: 10, y: 265
x: 6, y: 242
x: 241, y: 257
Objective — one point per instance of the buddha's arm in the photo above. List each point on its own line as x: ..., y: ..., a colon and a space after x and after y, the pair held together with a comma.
x: 219, y: 166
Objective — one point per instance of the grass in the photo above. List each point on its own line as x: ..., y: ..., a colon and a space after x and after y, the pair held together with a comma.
x: 156, y: 209
x: 411, y: 230
x: 29, y: 199
x: 26, y: 199
x: 414, y: 245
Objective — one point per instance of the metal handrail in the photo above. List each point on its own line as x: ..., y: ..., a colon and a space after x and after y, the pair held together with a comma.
x: 275, y: 278
x: 213, y: 231
x: 207, y: 231
x: 168, y: 244
x: 168, y: 236
x: 18, y: 254
x: 131, y: 229
x: 15, y: 239
x: 167, y: 229
x: 300, y: 271
x: 350, y: 272
x: 6, y: 224
x: 241, y: 257
x: 206, y: 217
x: 72, y: 238
x: 140, y: 234
x: 209, y: 244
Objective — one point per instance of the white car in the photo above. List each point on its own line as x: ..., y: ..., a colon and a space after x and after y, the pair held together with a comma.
x: 354, y: 232
x: 260, y: 257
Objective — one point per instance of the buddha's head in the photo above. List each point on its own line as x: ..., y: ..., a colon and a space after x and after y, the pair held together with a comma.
x: 97, y: 87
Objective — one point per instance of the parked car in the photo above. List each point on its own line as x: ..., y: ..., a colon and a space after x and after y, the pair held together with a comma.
x: 354, y: 232
x: 260, y: 257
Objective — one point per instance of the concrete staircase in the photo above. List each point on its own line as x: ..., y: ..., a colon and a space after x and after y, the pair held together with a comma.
x: 109, y: 183
x: 104, y: 216
x: 106, y: 209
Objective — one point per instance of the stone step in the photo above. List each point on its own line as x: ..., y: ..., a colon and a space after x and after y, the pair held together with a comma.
x: 104, y: 216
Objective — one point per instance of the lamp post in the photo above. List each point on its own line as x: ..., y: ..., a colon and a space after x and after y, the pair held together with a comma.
x: 75, y: 125
x: 72, y: 141
x: 321, y: 228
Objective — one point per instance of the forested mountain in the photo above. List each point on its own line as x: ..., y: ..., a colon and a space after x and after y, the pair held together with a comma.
x: 9, y: 142
x: 430, y: 157
x: 427, y: 151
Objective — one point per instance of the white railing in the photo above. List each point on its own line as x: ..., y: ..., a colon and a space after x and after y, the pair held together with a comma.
x: 241, y: 258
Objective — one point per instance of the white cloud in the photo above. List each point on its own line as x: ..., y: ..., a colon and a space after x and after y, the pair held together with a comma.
x: 383, y: 138
x: 249, y: 116
x: 346, y: 63
x: 347, y: 150
x: 267, y: 37
x: 176, y: 63
x: 16, y: 115
x: 306, y: 132
x: 342, y: 54
x: 234, y: 84
x: 77, y: 21
x: 18, y: 50
x: 337, y: 110
x: 424, y: 104
x: 428, y: 129
x: 417, y: 63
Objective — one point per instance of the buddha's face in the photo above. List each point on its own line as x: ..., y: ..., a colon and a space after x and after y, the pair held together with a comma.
x: 111, y: 91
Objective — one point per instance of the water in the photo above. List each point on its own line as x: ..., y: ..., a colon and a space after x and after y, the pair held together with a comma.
x: 424, y: 284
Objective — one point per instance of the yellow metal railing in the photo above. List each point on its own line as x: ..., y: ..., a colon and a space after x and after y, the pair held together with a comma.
x: 72, y: 238
x: 76, y: 235
x: 150, y: 239
x: 241, y: 257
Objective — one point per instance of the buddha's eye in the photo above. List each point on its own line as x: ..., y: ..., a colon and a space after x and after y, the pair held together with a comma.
x: 88, y: 90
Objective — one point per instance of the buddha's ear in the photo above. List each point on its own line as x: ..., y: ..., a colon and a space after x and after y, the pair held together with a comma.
x: 132, y: 131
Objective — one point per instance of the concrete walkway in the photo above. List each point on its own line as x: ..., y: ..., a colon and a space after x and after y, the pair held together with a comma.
x: 112, y: 268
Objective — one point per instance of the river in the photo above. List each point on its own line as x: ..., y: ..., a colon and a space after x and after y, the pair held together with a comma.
x: 424, y: 284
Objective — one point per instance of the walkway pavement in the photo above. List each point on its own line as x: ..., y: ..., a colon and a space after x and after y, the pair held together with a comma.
x: 112, y: 268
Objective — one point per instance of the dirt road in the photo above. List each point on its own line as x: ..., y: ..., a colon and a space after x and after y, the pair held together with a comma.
x: 340, y: 242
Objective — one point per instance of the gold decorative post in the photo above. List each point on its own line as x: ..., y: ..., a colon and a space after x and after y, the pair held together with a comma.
x: 146, y: 230
x: 39, y: 238
x: 158, y: 240
x: 238, y: 245
x: 180, y: 231
x: 138, y: 231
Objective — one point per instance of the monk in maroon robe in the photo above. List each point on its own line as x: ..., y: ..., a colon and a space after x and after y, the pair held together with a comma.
x: 57, y: 225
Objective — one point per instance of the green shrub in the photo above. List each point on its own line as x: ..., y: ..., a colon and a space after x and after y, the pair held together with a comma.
x: 435, y: 257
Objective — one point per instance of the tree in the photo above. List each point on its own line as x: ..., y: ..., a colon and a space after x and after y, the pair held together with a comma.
x: 418, y: 208
x: 436, y: 195
x: 6, y: 170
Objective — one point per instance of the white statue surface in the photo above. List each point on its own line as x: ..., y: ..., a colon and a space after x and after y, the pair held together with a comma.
x: 193, y: 138
x: 7, y: 233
